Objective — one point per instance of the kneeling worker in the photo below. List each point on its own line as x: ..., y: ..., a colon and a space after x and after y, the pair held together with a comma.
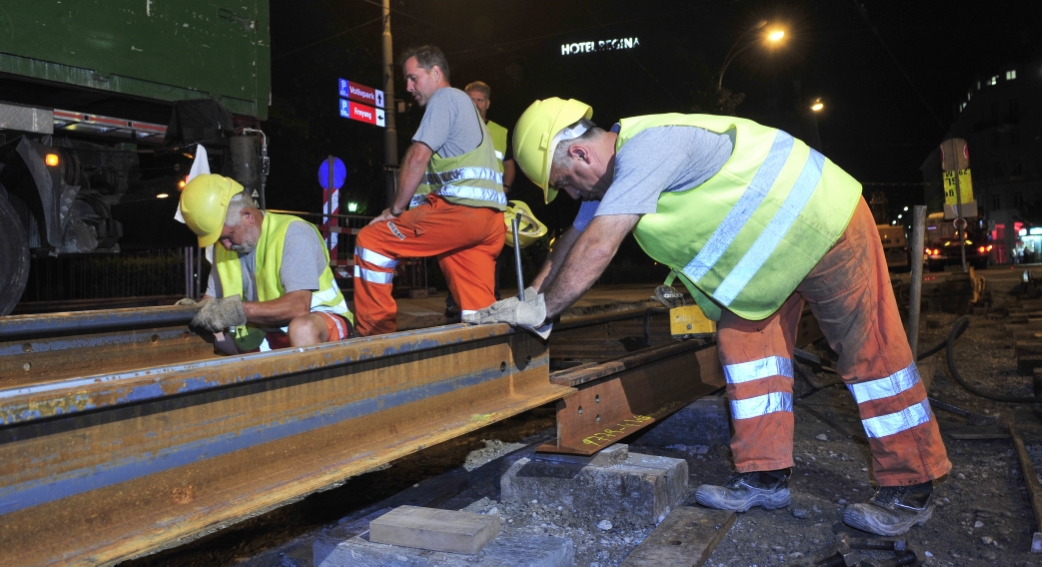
x: 754, y: 223
x: 270, y: 283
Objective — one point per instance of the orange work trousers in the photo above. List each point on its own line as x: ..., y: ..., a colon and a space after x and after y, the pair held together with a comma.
x: 850, y: 294
x: 466, y: 241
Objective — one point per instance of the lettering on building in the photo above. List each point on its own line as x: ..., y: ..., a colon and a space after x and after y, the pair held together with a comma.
x: 602, y: 45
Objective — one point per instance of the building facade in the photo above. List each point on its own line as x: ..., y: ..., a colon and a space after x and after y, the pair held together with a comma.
x: 1000, y: 117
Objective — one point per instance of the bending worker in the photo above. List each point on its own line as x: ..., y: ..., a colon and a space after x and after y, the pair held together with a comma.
x: 270, y: 283
x: 754, y: 223
x: 449, y: 204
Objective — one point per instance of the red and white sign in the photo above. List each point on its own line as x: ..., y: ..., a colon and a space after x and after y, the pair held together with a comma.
x: 361, y: 93
x: 362, y: 113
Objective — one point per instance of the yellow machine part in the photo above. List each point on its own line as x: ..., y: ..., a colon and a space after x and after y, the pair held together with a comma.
x: 690, y: 320
x: 530, y: 230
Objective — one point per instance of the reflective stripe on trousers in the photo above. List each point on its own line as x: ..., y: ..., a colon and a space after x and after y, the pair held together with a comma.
x: 886, y: 387
x: 764, y: 404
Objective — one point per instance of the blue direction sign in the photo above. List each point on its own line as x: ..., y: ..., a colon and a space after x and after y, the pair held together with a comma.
x: 339, y: 173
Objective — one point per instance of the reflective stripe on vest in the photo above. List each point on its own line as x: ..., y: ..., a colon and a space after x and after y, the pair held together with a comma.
x: 474, y: 194
x: 889, y: 424
x: 464, y: 174
x: 892, y: 385
x: 748, y: 235
x: 761, y: 405
x: 757, y: 369
x: 743, y: 210
x: 769, y: 239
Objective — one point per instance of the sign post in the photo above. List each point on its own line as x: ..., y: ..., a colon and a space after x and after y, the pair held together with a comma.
x: 331, y: 175
x: 958, y: 188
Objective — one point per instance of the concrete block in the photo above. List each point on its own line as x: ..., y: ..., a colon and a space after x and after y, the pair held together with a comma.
x: 505, y: 551
x: 437, y: 530
x: 643, y: 487
x: 706, y: 421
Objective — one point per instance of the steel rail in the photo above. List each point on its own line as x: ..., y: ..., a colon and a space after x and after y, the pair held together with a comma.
x: 51, y: 324
x: 100, y: 469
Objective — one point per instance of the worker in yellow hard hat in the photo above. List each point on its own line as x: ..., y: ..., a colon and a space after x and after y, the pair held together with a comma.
x: 270, y: 285
x: 753, y: 222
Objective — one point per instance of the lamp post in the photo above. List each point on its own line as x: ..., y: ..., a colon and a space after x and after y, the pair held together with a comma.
x: 772, y: 37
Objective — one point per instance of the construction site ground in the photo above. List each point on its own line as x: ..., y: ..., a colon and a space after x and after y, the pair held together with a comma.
x: 983, y: 516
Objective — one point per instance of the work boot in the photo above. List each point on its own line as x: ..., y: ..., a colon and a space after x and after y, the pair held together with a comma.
x: 742, y: 491
x: 893, y: 510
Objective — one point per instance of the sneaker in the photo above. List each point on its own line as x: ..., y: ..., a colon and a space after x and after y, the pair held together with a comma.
x: 742, y: 491
x: 893, y: 510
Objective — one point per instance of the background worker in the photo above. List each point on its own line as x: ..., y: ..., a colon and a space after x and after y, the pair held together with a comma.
x: 270, y: 283
x: 481, y: 94
x: 753, y: 222
x: 450, y: 202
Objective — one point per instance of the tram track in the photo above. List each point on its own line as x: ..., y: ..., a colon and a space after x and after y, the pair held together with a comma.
x: 122, y: 431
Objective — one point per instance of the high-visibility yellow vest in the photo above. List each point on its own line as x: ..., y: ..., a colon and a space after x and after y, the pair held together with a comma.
x: 474, y: 179
x: 268, y: 262
x: 499, y: 140
x: 747, y: 236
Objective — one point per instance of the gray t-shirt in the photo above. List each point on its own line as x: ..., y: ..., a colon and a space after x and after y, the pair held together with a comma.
x: 664, y: 158
x: 302, y: 264
x: 450, y: 125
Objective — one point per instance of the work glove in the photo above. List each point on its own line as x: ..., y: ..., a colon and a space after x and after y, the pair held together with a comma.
x: 528, y: 314
x: 219, y: 314
x: 186, y: 301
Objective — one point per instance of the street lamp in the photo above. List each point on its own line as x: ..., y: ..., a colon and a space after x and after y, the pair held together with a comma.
x: 772, y: 36
x: 817, y: 106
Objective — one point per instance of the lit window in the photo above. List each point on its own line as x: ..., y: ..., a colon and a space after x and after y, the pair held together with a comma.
x: 978, y: 85
x: 962, y: 107
x: 994, y: 80
x: 1011, y: 74
x: 969, y: 95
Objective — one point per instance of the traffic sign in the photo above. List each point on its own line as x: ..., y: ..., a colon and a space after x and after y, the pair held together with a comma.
x: 361, y: 93
x: 362, y: 113
x: 339, y: 173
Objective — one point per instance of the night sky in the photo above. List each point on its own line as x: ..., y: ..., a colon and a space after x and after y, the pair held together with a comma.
x: 889, y: 74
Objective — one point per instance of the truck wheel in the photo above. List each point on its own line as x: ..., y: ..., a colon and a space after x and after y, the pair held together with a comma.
x: 14, y: 258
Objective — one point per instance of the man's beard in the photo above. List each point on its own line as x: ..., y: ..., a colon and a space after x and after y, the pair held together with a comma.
x: 244, y: 248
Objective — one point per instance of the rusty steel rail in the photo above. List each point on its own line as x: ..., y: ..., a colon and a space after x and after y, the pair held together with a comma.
x: 98, y: 469
x: 619, y: 397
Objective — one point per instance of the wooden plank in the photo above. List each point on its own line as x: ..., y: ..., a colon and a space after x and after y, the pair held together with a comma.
x: 686, y: 537
x: 437, y: 530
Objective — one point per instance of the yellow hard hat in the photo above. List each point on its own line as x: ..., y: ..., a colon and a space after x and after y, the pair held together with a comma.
x: 530, y: 229
x: 204, y: 205
x: 534, y: 133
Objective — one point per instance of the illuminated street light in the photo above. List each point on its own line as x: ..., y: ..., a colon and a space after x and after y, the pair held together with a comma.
x: 818, y: 106
x: 352, y: 207
x: 898, y: 217
x: 906, y: 209
x: 162, y: 196
x: 772, y: 37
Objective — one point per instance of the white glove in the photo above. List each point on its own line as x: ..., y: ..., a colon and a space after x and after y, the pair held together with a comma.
x: 529, y: 313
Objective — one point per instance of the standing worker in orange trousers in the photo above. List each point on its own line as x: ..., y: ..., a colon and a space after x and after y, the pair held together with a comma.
x: 754, y: 223
x: 450, y: 202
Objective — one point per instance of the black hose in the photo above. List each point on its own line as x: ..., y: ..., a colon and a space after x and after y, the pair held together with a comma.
x: 957, y: 329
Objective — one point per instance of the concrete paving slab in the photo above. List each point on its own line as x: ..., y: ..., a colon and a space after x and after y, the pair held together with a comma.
x: 505, y: 551
x: 437, y: 530
x: 642, y: 487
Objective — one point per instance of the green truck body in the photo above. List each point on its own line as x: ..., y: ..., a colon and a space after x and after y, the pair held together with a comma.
x: 164, y: 50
